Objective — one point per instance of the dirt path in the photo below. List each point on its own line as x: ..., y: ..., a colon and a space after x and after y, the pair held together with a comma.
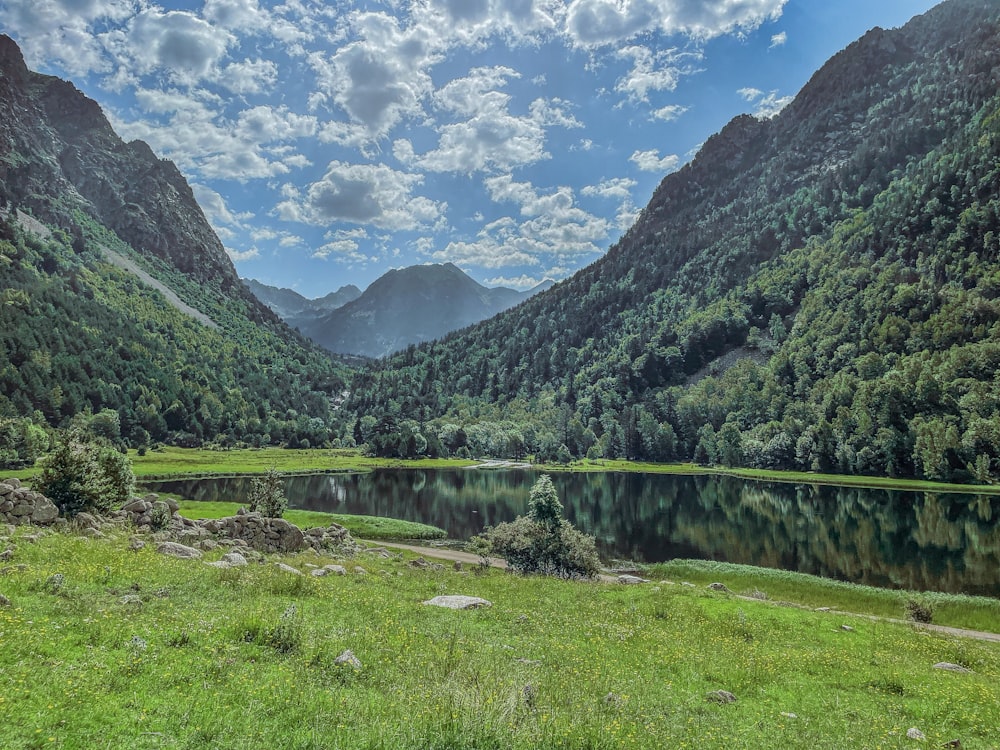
x: 467, y: 558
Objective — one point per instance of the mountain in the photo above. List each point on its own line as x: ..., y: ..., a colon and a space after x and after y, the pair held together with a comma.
x: 289, y: 305
x: 819, y: 291
x: 408, y: 306
x: 115, y: 293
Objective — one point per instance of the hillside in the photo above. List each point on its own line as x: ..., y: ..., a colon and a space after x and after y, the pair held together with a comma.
x: 117, y: 295
x: 816, y: 291
x: 408, y: 306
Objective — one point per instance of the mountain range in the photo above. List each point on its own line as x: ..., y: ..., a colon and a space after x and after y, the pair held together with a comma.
x: 818, y: 291
x: 402, y: 307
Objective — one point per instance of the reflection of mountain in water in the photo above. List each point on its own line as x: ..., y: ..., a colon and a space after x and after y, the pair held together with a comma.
x: 882, y: 538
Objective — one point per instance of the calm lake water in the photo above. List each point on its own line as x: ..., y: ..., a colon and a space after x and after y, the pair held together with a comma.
x: 942, y: 542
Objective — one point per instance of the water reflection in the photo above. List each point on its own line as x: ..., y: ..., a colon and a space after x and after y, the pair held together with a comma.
x: 883, y: 538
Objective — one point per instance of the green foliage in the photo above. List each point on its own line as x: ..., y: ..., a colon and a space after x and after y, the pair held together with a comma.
x: 267, y: 494
x: 21, y: 442
x: 542, y: 541
x: 85, y: 475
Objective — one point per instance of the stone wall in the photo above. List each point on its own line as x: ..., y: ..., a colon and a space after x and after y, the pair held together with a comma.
x: 19, y: 505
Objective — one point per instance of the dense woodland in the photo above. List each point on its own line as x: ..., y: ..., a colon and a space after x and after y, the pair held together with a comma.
x: 817, y: 291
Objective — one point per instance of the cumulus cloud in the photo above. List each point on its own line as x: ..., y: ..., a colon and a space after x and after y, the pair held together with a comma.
x: 617, y: 189
x: 766, y: 104
x: 223, y: 221
x: 249, y: 76
x: 241, y: 255
x: 344, y: 245
x: 514, y: 282
x: 490, y: 137
x: 669, y: 113
x: 552, y: 226
x: 651, y: 161
x: 368, y: 194
x: 651, y: 71
x: 181, y: 45
x: 778, y: 39
x: 594, y: 23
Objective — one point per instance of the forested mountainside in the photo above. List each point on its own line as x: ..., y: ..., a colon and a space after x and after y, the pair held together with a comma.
x: 408, y: 306
x: 88, y: 224
x: 820, y: 290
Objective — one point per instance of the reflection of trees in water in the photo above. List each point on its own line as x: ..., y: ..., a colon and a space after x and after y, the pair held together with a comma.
x: 913, y: 540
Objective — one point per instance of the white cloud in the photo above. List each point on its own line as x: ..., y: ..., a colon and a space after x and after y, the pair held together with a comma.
x: 241, y: 255
x: 669, y: 113
x: 491, y: 138
x: 343, y: 244
x: 779, y: 39
x: 216, y: 211
x: 617, y: 189
x: 183, y: 46
x: 249, y: 76
x: 514, y: 282
x: 593, y: 23
x: 651, y: 71
x: 651, y: 161
x: 367, y: 194
x: 552, y: 227
x: 767, y: 104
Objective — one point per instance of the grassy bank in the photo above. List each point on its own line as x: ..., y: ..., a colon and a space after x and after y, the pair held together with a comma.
x: 362, y: 527
x: 135, y: 650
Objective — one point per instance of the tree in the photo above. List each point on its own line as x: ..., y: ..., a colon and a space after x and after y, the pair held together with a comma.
x: 81, y: 475
x: 267, y: 494
x: 542, y: 541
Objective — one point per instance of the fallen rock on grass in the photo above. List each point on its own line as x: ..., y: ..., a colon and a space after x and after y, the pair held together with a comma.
x: 948, y: 666
x: 348, y: 659
x: 176, y: 549
x: 288, y: 568
x: 720, y: 696
x: 631, y: 580
x: 458, y: 601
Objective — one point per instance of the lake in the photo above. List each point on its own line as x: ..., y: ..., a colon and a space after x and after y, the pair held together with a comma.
x: 914, y: 540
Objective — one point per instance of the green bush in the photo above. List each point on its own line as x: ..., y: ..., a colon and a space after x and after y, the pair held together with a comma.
x: 85, y: 475
x: 267, y: 494
x: 542, y: 542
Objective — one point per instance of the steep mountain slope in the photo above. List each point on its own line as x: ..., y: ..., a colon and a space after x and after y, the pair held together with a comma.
x: 409, y: 306
x: 291, y: 306
x: 817, y: 290
x: 116, y: 293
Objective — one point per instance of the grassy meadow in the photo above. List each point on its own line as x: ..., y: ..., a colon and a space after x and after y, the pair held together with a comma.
x: 136, y: 650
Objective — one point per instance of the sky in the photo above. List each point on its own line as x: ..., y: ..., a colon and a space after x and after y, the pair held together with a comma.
x: 517, y: 139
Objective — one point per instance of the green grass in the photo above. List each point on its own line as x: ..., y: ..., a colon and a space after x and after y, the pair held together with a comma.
x: 136, y: 650
x: 362, y: 527
x: 954, y: 610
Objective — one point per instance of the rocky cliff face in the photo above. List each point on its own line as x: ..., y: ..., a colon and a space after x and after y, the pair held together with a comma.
x: 58, y: 153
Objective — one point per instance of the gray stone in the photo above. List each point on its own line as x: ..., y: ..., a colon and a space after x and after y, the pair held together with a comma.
x: 719, y: 587
x: 175, y: 549
x: 721, y: 696
x: 358, y: 570
x: 947, y: 665
x: 86, y: 521
x: 337, y: 570
x: 631, y: 580
x: 847, y: 628
x: 135, y: 544
x: 915, y: 734
x: 457, y: 601
x: 235, y: 559
x: 319, y: 572
x: 4, y: 601
x: 348, y: 659
x: 287, y: 568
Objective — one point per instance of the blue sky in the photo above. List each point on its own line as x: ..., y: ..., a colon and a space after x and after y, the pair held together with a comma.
x: 515, y: 138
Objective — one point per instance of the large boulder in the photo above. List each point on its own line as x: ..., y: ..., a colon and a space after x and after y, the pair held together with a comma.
x: 20, y: 506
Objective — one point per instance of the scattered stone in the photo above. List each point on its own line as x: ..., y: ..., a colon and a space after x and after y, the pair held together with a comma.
x: 789, y: 715
x: 92, y: 533
x: 915, y: 734
x: 337, y: 570
x: 86, y: 521
x: 176, y: 549
x: 631, y: 580
x: 529, y: 692
x: 953, y: 743
x: 947, y: 665
x: 207, y: 545
x: 234, y: 559
x: 359, y: 570
x: 319, y: 572
x: 458, y: 601
x: 688, y: 583
x: 349, y: 659
x: 612, y: 699
x: 419, y: 563
x: 4, y: 601
x: 522, y: 619
x: 7, y: 554
x: 135, y: 544
x: 55, y: 582
x: 719, y: 587
x: 822, y: 609
x: 847, y: 628
x: 131, y: 600
x: 720, y: 696
x: 457, y: 566
x: 137, y: 643
x: 287, y: 568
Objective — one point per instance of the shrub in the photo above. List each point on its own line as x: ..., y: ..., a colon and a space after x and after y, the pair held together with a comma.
x: 542, y: 542
x: 918, y: 611
x: 267, y: 494
x: 81, y: 474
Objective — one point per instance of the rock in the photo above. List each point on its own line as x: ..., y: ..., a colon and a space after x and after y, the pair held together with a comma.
x: 915, y: 734
x: 953, y: 743
x: 174, y: 549
x: 419, y: 563
x: 359, y: 570
x: 7, y: 554
x: 719, y: 587
x: 4, y: 601
x: 131, y: 600
x: 947, y: 665
x: 822, y: 609
x: 54, y: 582
x: 207, y: 545
x: 287, y: 568
x: 135, y: 544
x: 319, y: 572
x: 457, y: 601
x: 612, y: 699
x: 86, y: 521
x: 631, y: 580
x: 720, y: 696
x: 847, y: 628
x: 349, y: 659
x: 457, y: 566
x: 789, y: 715
x: 235, y: 559
x: 337, y: 570
x: 92, y: 533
